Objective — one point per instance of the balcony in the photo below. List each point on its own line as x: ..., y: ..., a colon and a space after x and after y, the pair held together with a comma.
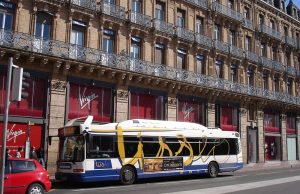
x: 140, y: 19
x: 221, y: 46
x: 251, y: 56
x: 53, y: 2
x: 291, y: 71
x: 266, y: 62
x: 203, y: 40
x: 113, y: 10
x: 248, y: 24
x: 86, y: 4
x: 198, y: 3
x: 290, y: 41
x: 237, y: 52
x: 61, y: 50
x: 219, y: 8
x: 164, y: 27
x: 270, y: 31
x: 185, y: 34
x: 278, y: 66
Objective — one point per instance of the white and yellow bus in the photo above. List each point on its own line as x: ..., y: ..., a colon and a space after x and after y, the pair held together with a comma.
x: 139, y: 148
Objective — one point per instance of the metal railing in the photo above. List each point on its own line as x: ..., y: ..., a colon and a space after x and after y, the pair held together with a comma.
x: 27, y: 43
x: 251, y: 56
x: 227, y: 11
x: 199, y: 3
x: 185, y: 34
x: 163, y: 26
x: 266, y: 62
x: 278, y: 66
x: 248, y: 24
x: 203, y: 40
x: 221, y: 46
x: 88, y: 4
x: 56, y: 2
x: 140, y: 19
x: 290, y: 41
x: 113, y: 10
x: 291, y: 70
x: 270, y: 31
x: 237, y: 52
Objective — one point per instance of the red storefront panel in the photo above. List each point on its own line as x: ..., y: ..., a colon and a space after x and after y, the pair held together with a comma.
x: 32, y: 106
x: 271, y: 123
x: 17, y: 134
x: 146, y: 106
x: 290, y: 125
x: 90, y: 100
x: 190, y: 111
x: 229, y: 119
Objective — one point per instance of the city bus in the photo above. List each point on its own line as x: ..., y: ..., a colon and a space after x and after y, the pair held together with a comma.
x: 137, y: 149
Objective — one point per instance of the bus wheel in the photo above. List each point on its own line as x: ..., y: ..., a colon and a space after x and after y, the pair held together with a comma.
x: 127, y: 175
x: 213, y: 170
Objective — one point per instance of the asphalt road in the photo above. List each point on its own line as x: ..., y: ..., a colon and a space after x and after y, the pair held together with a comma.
x: 279, y: 181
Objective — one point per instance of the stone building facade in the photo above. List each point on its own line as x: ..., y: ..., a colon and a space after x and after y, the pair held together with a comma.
x: 233, y: 64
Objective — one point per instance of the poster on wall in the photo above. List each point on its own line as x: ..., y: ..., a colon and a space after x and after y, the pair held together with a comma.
x: 18, y: 133
x: 190, y: 111
x: 162, y: 164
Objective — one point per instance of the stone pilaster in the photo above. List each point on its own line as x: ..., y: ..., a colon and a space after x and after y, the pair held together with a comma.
x: 211, y: 115
x: 261, y: 140
x: 122, y: 105
x: 243, y: 132
x: 283, y: 137
x: 56, y: 118
x: 172, y: 109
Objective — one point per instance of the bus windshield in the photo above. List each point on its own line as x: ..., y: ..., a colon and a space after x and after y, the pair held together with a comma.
x: 71, y: 148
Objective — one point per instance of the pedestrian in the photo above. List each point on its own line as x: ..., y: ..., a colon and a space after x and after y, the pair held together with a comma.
x: 7, y: 155
x: 19, y: 152
x: 40, y: 155
x: 33, y: 154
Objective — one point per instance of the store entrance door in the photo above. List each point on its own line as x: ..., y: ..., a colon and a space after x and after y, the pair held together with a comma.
x: 291, y: 146
x: 252, y: 145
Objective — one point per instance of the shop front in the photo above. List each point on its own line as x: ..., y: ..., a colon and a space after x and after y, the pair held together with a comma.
x: 291, y: 140
x: 272, y: 146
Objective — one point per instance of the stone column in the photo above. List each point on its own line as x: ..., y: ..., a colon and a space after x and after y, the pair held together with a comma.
x: 57, y: 107
x: 211, y: 114
x: 283, y: 138
x: 122, y: 102
x: 243, y: 132
x: 172, y: 108
x: 261, y: 140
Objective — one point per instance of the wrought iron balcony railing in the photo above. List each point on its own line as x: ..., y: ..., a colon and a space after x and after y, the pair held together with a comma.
x: 199, y: 3
x: 163, y: 26
x: 270, y: 31
x: 266, y: 62
x: 113, y: 10
x: 291, y: 70
x: 140, y: 19
x: 55, y: 2
x: 237, y: 52
x: 87, y: 4
x: 251, y: 56
x: 185, y: 34
x: 248, y: 24
x: 221, y: 46
x: 290, y: 41
x: 298, y: 73
x: 62, y: 50
x: 203, y: 40
x: 227, y: 11
x: 278, y: 66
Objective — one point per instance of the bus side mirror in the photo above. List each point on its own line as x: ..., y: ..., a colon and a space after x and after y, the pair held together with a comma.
x: 49, y: 140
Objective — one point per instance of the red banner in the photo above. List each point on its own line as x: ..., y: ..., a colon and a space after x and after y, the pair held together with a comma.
x: 190, y: 111
x: 90, y: 100
x: 17, y: 134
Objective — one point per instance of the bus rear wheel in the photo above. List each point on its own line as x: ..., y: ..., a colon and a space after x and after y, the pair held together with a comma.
x: 213, y: 170
x: 127, y: 175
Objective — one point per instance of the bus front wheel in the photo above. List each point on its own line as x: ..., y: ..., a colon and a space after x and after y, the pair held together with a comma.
x: 127, y: 175
x: 213, y: 170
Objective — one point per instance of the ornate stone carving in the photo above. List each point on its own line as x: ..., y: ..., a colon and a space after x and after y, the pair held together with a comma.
x: 58, y: 85
x: 260, y: 114
x: 283, y: 117
x: 243, y: 111
x: 123, y: 94
x: 172, y: 101
x: 211, y: 106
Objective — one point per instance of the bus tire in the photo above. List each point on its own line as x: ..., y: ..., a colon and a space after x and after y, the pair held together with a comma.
x: 213, y: 170
x: 127, y: 175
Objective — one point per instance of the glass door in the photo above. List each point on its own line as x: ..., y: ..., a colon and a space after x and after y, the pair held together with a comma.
x: 252, y: 145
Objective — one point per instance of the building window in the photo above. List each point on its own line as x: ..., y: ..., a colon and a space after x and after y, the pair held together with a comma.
x: 199, y: 25
x: 78, y: 33
x: 232, y: 38
x: 217, y: 32
x: 265, y: 77
x: 272, y: 24
x: 181, y: 59
x: 276, y: 84
x: 261, y: 20
x: 6, y: 15
x: 191, y: 110
x: 219, y: 68
x: 200, y: 64
x: 250, y: 75
x: 287, y: 58
x: 180, y: 18
x: 110, y: 2
x: 274, y: 53
x: 136, y: 6
x: 248, y: 43
x: 289, y: 86
x: 263, y: 49
x: 43, y: 26
x: 231, y: 4
x: 233, y: 72
x: 159, y: 54
x: 247, y: 13
x: 135, y: 48
x: 108, y: 42
x: 160, y: 11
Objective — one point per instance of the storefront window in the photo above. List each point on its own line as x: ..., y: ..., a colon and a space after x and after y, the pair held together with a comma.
x: 271, y: 122
x: 272, y: 148
x: 191, y: 111
x: 229, y: 118
x: 87, y: 100
x: 291, y: 125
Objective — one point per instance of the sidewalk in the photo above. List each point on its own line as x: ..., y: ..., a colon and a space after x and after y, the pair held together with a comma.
x: 269, y: 166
